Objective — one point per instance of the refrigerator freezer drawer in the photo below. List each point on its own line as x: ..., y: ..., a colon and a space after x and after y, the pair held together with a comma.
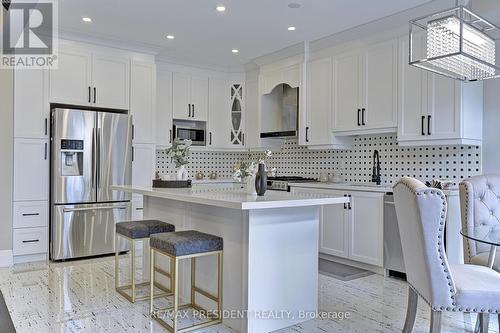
x: 30, y: 241
x: 86, y: 230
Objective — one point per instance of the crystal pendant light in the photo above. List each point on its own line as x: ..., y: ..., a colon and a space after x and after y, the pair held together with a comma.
x: 456, y: 43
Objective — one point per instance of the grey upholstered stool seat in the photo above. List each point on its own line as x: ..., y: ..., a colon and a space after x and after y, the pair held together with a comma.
x: 186, y: 245
x: 182, y: 243
x: 143, y: 228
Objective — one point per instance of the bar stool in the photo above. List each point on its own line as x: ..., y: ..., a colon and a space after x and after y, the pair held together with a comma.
x: 181, y: 245
x: 134, y: 231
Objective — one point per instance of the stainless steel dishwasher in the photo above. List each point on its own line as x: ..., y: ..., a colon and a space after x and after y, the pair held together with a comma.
x: 393, y: 252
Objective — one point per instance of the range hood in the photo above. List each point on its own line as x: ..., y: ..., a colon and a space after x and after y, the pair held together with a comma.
x: 280, y: 110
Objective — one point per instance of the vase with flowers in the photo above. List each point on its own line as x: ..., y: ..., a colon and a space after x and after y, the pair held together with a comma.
x: 246, y: 171
x: 179, y: 153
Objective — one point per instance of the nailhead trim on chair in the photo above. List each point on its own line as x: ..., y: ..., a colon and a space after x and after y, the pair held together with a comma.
x: 465, y: 186
x: 442, y: 222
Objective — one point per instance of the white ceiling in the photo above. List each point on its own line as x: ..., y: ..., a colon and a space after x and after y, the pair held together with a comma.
x: 205, y: 36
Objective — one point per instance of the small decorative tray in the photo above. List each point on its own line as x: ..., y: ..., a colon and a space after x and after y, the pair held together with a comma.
x: 171, y: 183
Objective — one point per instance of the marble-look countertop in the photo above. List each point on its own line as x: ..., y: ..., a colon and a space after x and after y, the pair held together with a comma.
x: 368, y: 187
x: 234, y: 196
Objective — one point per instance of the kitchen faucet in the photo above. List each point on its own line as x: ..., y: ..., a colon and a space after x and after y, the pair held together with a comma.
x: 376, y: 168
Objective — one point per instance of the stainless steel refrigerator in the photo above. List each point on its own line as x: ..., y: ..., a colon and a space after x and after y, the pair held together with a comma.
x: 91, y: 151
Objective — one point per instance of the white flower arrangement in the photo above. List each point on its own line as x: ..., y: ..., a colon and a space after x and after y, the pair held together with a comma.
x: 246, y: 169
x: 180, y: 151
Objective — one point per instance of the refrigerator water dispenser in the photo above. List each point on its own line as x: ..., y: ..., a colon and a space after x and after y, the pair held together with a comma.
x: 71, y: 157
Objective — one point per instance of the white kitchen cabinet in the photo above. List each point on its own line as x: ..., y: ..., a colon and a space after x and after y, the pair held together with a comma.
x: 71, y: 82
x: 353, y: 231
x: 31, y: 169
x: 28, y: 241
x: 365, y: 90
x: 143, y: 101
x: 190, y: 97
x: 29, y: 214
x: 219, y: 115
x: 163, y: 119
x: 143, y: 165
x: 137, y: 209
x: 84, y: 78
x: 366, y: 229
x: 319, y: 102
x: 110, y: 81
x: 252, y: 116
x: 436, y: 110
x: 31, y: 105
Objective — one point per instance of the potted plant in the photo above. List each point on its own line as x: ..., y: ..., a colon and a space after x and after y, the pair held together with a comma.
x: 246, y: 171
x: 179, y: 153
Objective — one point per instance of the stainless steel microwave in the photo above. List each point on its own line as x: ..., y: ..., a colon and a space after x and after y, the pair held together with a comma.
x: 195, y: 134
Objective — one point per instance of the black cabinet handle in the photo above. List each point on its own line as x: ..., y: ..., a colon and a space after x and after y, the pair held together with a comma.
x: 189, y: 110
x: 363, y: 111
x: 192, y: 111
x: 46, y: 126
x: 89, y: 94
x: 359, y: 122
x: 349, y: 203
x: 345, y: 195
x: 138, y: 208
x: 95, y: 95
x: 307, y: 134
x: 133, y: 131
x: 31, y: 214
x: 422, y: 124
x: 31, y: 241
x: 242, y: 139
x: 210, y: 140
x: 132, y: 153
x: 170, y: 136
x: 429, y: 125
x: 45, y: 151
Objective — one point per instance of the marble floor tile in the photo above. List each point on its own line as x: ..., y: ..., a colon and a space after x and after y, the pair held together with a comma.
x: 79, y: 296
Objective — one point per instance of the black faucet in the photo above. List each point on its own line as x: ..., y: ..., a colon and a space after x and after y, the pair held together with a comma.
x: 376, y: 168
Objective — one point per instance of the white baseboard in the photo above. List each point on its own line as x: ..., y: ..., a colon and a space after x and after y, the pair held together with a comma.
x: 368, y: 267
x: 6, y: 259
x: 30, y: 258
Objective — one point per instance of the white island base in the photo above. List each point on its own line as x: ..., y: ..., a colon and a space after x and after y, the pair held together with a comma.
x: 270, y: 263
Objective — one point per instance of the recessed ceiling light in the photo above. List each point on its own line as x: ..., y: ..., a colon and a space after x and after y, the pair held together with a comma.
x: 235, y: 51
x: 86, y: 19
x: 220, y: 8
x: 294, y: 5
x: 170, y: 36
x: 292, y: 28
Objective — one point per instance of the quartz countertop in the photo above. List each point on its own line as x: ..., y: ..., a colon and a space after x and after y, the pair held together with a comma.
x: 364, y: 187
x: 234, y: 196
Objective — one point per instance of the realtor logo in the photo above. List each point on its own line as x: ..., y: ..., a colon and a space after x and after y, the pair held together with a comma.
x: 29, y: 34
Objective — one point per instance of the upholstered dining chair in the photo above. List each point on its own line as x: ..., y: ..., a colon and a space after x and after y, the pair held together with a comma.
x: 421, y: 213
x: 480, y: 206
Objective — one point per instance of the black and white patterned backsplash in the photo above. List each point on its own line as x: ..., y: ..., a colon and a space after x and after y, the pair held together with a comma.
x: 354, y: 165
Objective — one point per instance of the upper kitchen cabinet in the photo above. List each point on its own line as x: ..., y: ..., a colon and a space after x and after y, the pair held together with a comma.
x: 163, y: 121
x: 365, y: 90
x: 219, y: 122
x: 436, y: 110
x: 143, y: 101
x: 31, y: 107
x: 110, y: 81
x: 87, y: 79
x: 189, y: 97
x: 71, y: 82
x: 319, y: 102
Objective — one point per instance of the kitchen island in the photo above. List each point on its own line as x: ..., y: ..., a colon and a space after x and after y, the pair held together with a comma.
x: 270, y: 265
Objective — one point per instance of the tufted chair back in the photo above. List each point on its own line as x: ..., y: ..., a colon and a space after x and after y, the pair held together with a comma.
x: 480, y: 206
x: 421, y: 213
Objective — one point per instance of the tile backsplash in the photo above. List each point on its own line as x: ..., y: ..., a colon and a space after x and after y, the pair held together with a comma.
x: 354, y: 165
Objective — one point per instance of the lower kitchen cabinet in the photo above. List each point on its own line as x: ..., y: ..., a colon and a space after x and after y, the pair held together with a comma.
x: 143, y: 165
x: 137, y: 209
x: 31, y: 169
x: 353, y: 231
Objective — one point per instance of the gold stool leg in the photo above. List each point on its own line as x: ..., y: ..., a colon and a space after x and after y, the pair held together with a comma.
x: 117, y: 262
x: 133, y: 271
x: 176, y: 294
x: 219, y: 287
x: 193, y: 280
x: 151, y: 279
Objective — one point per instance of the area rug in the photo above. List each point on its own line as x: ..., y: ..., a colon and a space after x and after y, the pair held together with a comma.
x: 341, y: 271
x: 6, y: 325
